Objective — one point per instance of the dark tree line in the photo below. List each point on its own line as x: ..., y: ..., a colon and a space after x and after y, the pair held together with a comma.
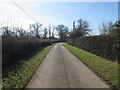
x: 37, y: 30
x: 80, y: 29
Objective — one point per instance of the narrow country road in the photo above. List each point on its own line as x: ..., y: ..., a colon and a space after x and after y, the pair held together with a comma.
x: 61, y: 69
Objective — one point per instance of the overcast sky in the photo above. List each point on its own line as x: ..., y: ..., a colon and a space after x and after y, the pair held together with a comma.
x: 58, y: 12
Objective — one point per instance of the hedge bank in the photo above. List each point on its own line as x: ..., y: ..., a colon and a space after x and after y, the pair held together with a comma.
x: 106, y: 46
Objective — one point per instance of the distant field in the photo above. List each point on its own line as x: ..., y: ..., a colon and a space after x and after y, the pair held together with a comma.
x: 106, y: 69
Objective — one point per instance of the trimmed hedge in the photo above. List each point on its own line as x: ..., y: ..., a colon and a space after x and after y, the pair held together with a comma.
x: 16, y: 48
x: 18, y: 75
x: 105, y: 46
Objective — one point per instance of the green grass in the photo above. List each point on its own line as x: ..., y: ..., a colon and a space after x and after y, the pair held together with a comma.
x: 106, y: 69
x: 21, y: 74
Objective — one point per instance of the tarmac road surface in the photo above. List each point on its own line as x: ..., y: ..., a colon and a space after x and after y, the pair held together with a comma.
x: 61, y: 69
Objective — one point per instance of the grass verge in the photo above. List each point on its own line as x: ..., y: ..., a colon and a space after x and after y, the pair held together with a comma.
x: 21, y: 74
x: 106, y: 69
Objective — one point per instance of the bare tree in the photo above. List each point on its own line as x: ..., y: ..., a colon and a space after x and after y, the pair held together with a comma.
x: 22, y: 32
x: 116, y: 28
x: 36, y: 29
x: 62, y: 31
x: 82, y: 28
x: 6, y: 31
x: 54, y: 32
x: 106, y: 28
x: 49, y: 31
x: 73, y: 32
x: 45, y: 32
